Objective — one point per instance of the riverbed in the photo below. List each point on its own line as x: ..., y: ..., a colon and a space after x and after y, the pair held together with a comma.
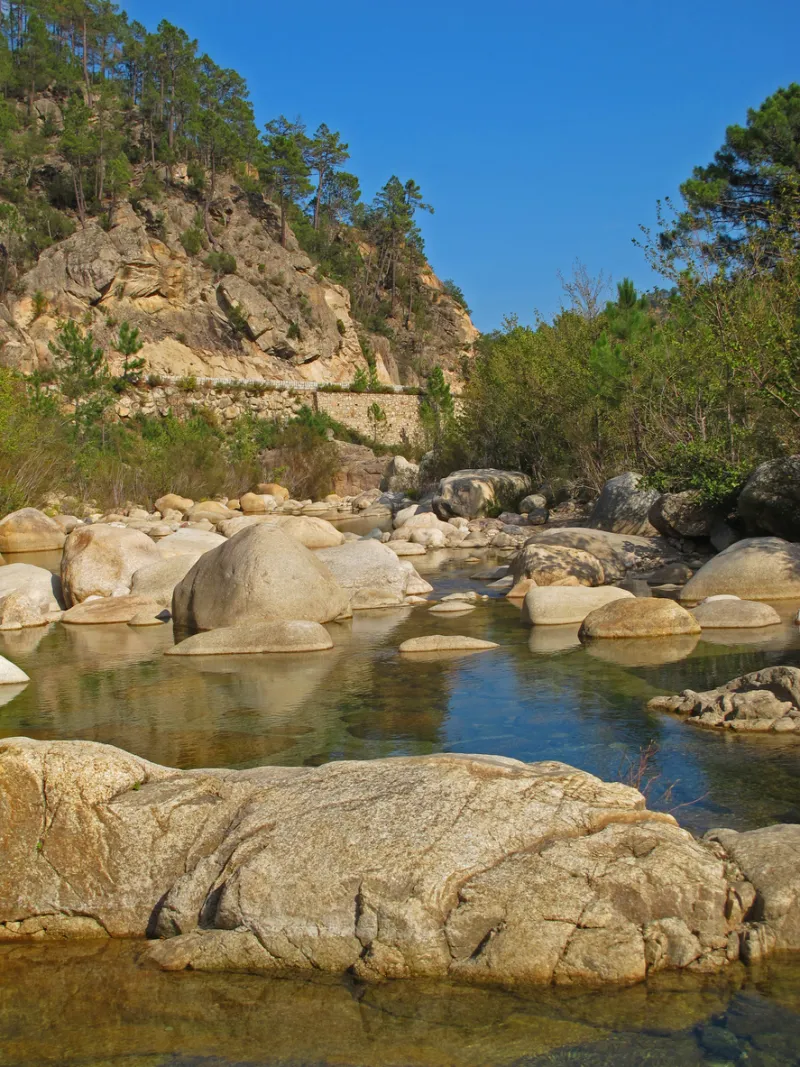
x: 540, y: 695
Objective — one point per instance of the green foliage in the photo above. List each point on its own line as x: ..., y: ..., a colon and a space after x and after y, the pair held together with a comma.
x: 82, y: 377
x: 340, y: 326
x: 39, y: 304
x: 293, y: 332
x: 221, y: 262
x: 129, y: 344
x: 193, y: 240
x: 188, y: 383
x: 237, y: 318
x: 703, y: 466
x: 455, y: 292
x: 360, y: 382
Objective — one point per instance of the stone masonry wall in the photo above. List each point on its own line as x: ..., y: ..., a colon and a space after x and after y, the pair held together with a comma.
x: 229, y: 401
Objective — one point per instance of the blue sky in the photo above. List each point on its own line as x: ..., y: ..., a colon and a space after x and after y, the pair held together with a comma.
x: 540, y: 132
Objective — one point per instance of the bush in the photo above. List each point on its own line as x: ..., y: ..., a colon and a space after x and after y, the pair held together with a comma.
x: 188, y: 383
x: 193, y: 240
x: 221, y: 262
x: 237, y: 318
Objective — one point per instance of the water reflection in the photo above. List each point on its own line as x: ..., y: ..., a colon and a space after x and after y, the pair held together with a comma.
x: 93, y: 1004
x: 540, y: 695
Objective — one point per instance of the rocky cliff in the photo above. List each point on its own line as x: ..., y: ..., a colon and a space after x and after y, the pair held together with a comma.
x: 255, y: 309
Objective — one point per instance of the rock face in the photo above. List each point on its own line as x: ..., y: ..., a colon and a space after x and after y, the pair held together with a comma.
x: 758, y: 568
x: 292, y: 636
x: 681, y: 515
x: 735, y: 614
x: 29, y: 530
x: 769, y: 859
x: 370, y: 572
x: 559, y: 606
x: 157, y: 581
x: 473, y: 867
x: 623, y: 507
x: 101, y: 561
x: 473, y: 493
x: 555, y: 564
x: 401, y: 476
x: 770, y: 500
x: 261, y: 573
x: 758, y: 702
x: 638, y: 617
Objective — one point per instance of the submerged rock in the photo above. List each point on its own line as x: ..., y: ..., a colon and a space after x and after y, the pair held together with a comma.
x: 446, y: 643
x: 112, y: 609
x: 471, y: 867
x: 767, y: 700
x: 284, y: 636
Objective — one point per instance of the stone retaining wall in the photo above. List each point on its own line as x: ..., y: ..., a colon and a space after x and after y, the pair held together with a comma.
x: 229, y: 401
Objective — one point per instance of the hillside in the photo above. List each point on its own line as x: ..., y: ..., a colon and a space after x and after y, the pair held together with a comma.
x: 268, y: 313
x: 136, y: 186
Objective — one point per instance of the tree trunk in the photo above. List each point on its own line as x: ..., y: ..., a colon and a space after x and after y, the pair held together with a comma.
x: 318, y: 199
x: 86, y: 66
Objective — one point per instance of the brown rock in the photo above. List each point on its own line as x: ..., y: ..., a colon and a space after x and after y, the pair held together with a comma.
x: 638, y: 617
x: 284, y: 636
x: 29, y: 530
x: 109, y: 610
x: 101, y: 560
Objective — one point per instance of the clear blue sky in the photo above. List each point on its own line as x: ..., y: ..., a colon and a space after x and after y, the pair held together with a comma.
x: 540, y: 131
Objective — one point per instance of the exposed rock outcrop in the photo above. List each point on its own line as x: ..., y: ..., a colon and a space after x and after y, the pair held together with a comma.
x: 767, y: 700
x: 473, y: 493
x: 770, y: 500
x: 623, y: 506
x: 475, y: 867
x: 757, y: 568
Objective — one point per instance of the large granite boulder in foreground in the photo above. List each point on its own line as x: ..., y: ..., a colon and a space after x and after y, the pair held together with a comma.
x: 260, y: 573
x: 758, y: 568
x: 473, y: 493
x: 623, y: 506
x: 475, y: 867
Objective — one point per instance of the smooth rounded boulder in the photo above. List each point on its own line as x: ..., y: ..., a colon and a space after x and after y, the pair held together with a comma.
x: 157, y: 581
x: 188, y: 542
x: 757, y: 568
x: 257, y: 503
x: 735, y: 614
x: 552, y: 564
x: 291, y: 635
x: 210, y: 510
x: 173, y: 502
x: 37, y: 583
x: 638, y: 617
x: 770, y: 499
x: 261, y: 573
x: 11, y: 674
x: 370, y: 572
x: 101, y: 560
x: 617, y: 553
x: 623, y: 506
x: 473, y: 493
x: 29, y: 530
x: 681, y: 515
x: 19, y: 612
x: 560, y: 605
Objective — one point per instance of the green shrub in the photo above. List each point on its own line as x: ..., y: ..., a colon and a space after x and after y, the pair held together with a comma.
x: 188, y: 383
x: 340, y: 326
x: 193, y: 240
x: 293, y: 333
x: 237, y: 318
x: 221, y: 262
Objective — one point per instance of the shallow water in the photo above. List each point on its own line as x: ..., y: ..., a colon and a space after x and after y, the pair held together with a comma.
x: 540, y: 695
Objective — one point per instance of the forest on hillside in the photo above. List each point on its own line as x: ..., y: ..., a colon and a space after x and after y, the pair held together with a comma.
x: 136, y: 104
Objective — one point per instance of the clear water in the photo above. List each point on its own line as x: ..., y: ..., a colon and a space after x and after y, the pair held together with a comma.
x: 540, y: 695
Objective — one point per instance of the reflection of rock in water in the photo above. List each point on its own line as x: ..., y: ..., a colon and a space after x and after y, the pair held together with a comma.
x: 549, y: 640
x: 22, y: 642
x: 92, y: 1003
x: 768, y: 639
x: 50, y: 560
x: 105, y: 648
x: 643, y: 651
